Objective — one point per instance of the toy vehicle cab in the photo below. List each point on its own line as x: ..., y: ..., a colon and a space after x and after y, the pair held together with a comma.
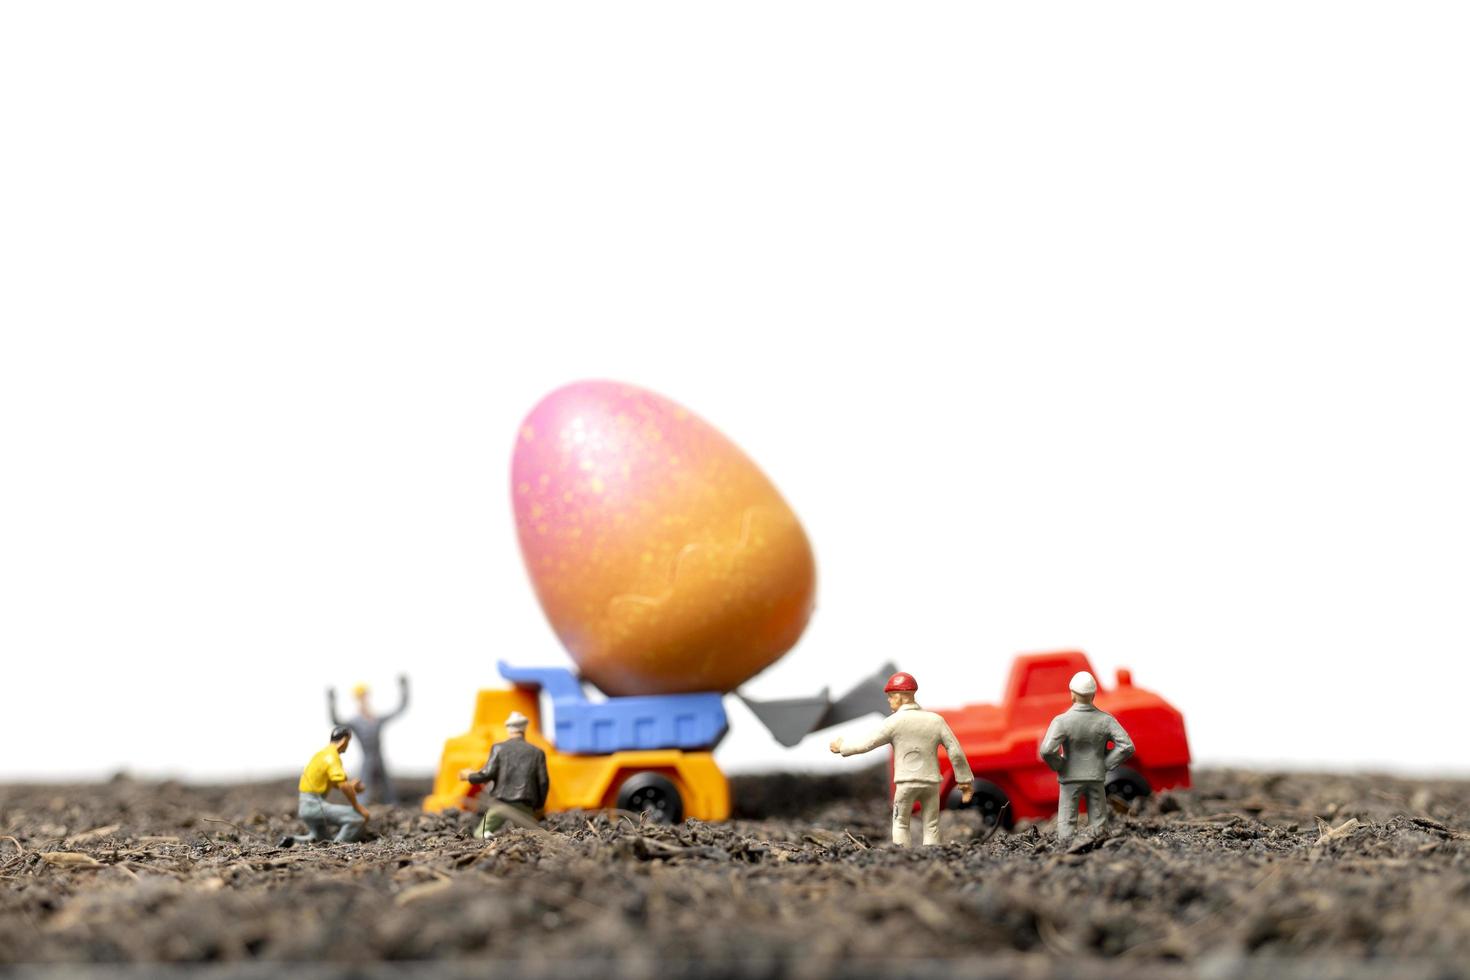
x: 650, y: 755
x: 1001, y: 740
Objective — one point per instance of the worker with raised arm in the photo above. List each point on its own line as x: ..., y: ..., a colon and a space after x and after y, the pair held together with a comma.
x: 1076, y: 748
x: 915, y: 735
x: 367, y: 728
x: 321, y: 774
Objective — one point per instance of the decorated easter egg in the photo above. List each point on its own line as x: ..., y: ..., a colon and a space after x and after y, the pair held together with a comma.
x: 663, y: 557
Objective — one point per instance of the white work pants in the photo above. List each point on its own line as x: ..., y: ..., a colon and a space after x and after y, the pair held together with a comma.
x: 904, y: 795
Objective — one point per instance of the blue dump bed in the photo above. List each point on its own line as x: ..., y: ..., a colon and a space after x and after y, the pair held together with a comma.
x: 656, y: 721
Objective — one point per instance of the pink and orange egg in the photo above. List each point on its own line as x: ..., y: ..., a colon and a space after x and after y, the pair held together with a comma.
x: 665, y: 560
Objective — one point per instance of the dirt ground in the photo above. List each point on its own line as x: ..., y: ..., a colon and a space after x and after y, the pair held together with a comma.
x: 1246, y: 875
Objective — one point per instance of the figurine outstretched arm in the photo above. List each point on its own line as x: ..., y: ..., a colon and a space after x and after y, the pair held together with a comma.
x: 332, y: 707
x: 883, y: 736
x: 402, y: 699
x: 1051, y: 746
x: 1122, y: 749
x: 485, y: 775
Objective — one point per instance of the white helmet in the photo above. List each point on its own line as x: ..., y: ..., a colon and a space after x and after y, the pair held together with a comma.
x: 1082, y: 683
x: 517, y: 720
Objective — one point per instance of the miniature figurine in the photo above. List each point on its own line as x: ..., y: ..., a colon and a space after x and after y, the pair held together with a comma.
x: 515, y: 773
x: 651, y: 755
x: 1076, y: 747
x: 915, y: 735
x: 368, y: 728
x: 322, y: 773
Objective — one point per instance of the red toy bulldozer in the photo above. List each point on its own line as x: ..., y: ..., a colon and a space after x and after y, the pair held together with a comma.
x: 1000, y: 740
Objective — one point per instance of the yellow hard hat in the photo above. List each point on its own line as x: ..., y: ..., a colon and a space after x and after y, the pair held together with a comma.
x: 358, y: 690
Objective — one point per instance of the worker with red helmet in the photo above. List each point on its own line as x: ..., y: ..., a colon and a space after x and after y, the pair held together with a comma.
x: 915, y: 735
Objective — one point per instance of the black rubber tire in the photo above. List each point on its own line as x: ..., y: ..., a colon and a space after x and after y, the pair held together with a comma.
x: 655, y: 795
x: 990, y: 800
x: 1127, y: 785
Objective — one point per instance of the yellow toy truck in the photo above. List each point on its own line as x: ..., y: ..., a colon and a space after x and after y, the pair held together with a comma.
x: 650, y: 755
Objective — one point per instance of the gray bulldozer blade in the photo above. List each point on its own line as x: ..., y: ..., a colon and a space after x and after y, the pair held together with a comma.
x: 790, y: 719
x: 865, y: 698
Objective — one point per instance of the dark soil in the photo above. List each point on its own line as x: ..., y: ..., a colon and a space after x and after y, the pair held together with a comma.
x: 1248, y: 874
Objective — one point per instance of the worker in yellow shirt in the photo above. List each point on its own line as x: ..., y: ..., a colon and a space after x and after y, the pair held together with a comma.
x: 322, y: 773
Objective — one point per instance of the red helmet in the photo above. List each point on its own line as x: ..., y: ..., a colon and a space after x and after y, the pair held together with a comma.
x: 901, y: 682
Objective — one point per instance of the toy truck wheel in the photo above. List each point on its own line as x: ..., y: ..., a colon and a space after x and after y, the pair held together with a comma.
x: 1127, y: 785
x: 655, y: 795
x: 992, y: 802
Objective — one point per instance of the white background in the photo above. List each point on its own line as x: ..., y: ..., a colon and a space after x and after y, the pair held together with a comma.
x: 1139, y: 329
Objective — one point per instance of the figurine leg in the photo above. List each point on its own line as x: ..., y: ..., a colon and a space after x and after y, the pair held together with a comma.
x: 904, y: 795
x: 383, y: 790
x: 929, y: 808
x: 495, y: 817
x: 1098, y: 808
x: 375, y: 776
x: 1069, y: 797
x: 309, y: 810
x: 347, y: 821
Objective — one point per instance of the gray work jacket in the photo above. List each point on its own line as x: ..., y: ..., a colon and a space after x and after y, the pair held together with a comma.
x: 517, y: 771
x: 1076, y: 744
x: 368, y: 732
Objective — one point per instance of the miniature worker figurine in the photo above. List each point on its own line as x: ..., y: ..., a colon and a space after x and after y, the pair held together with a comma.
x: 322, y: 773
x: 1076, y: 746
x: 515, y: 774
x: 916, y: 735
x: 368, y: 729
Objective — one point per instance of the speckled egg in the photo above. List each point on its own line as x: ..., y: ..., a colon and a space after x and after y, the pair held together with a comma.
x: 664, y: 558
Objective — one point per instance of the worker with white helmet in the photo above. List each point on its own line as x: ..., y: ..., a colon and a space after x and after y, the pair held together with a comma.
x: 916, y: 736
x: 1076, y: 747
x: 515, y: 774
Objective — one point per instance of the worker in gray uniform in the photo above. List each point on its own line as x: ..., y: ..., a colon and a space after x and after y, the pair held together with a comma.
x: 515, y: 775
x: 367, y: 728
x: 916, y: 736
x: 1076, y: 748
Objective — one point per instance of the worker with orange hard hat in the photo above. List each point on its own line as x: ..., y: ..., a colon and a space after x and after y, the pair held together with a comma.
x: 367, y: 727
x: 915, y: 735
